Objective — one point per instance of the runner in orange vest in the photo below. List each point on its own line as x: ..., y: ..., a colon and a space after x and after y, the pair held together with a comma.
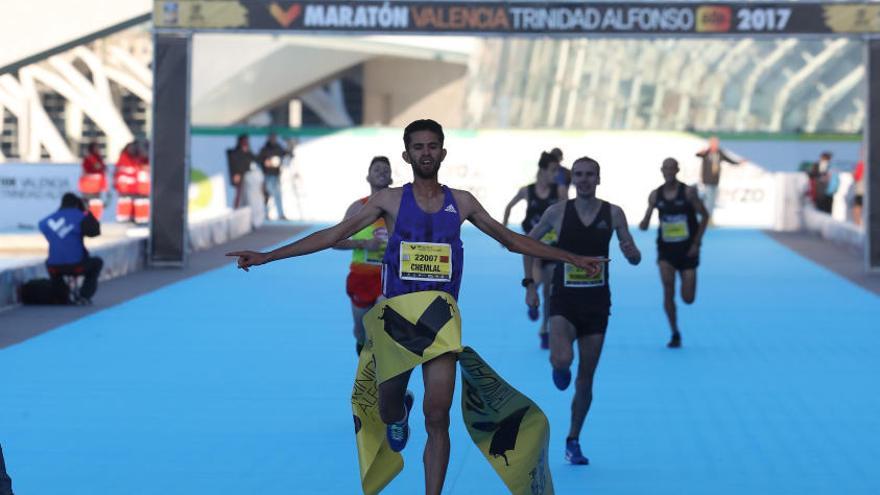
x: 364, y: 282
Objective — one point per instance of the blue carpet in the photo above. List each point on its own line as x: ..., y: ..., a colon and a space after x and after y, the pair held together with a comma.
x: 239, y: 383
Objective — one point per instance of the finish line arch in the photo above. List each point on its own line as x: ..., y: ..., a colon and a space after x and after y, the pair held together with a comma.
x: 176, y: 21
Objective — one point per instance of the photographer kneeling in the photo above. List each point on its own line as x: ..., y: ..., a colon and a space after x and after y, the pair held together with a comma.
x: 64, y: 230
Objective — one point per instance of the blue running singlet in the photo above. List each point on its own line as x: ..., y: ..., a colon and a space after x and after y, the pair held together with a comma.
x: 425, y: 251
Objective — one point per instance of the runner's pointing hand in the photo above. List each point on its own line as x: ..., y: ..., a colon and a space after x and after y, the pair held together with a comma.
x: 591, y: 264
x: 247, y: 259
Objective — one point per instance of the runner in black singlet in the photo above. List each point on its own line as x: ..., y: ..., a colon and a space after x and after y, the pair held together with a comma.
x: 580, y: 303
x: 678, y: 239
x: 539, y: 196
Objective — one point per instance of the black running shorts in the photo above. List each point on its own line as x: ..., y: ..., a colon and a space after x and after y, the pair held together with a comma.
x: 676, y: 255
x: 586, y: 320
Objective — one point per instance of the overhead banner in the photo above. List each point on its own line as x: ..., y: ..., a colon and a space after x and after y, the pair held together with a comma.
x: 625, y: 18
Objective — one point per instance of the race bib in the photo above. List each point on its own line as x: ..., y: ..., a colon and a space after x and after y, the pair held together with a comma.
x: 550, y: 237
x: 577, y: 277
x: 375, y: 256
x: 674, y: 228
x: 425, y: 261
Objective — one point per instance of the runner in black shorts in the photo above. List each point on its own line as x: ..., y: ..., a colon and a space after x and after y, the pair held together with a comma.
x: 539, y: 196
x: 579, y: 303
x: 678, y: 240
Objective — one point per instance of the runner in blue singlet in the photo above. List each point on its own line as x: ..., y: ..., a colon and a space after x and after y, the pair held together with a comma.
x: 424, y: 253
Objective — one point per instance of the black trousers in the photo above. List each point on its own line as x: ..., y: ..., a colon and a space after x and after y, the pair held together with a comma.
x: 823, y: 203
x: 92, y: 270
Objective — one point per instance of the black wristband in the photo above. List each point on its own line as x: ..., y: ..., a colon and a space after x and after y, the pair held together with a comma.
x: 526, y: 282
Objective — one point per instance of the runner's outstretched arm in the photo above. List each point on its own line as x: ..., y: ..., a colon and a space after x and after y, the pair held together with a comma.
x: 520, y: 195
x: 627, y: 244
x: 349, y: 244
x: 518, y: 243
x: 318, y: 241
x: 548, y: 221
x: 652, y: 202
x: 545, y: 224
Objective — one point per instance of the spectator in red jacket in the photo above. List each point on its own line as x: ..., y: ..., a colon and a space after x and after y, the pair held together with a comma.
x: 125, y: 181
x: 93, y: 163
x: 93, y: 180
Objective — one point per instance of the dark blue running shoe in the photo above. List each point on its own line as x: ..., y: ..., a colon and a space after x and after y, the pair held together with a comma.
x: 398, y: 433
x: 534, y: 313
x: 561, y: 378
x: 545, y: 340
x: 573, y: 453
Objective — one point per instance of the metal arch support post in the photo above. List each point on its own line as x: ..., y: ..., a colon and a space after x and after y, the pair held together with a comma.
x: 169, y: 153
x: 872, y: 156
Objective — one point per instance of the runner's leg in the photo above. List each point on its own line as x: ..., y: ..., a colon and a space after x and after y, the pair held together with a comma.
x: 360, y: 334
x: 667, y: 277
x: 562, y: 335
x: 688, y: 285
x: 439, y: 377
x: 391, y: 394
x: 546, y: 279
x: 589, y: 350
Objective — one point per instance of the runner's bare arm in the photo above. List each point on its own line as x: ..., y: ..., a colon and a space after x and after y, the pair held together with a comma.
x: 349, y: 244
x: 652, y: 202
x: 520, y: 195
x: 472, y: 210
x: 562, y: 191
x: 321, y: 239
x: 694, y: 199
x: 548, y: 221
x: 627, y: 244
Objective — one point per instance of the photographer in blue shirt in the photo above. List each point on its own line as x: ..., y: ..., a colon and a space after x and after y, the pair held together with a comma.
x: 64, y: 230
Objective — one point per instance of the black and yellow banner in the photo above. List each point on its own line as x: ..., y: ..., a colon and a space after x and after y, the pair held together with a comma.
x: 509, y: 429
x: 514, y: 17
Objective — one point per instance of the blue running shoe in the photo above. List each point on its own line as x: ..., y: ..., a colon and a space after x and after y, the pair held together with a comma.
x: 573, y: 453
x: 561, y: 378
x: 534, y: 313
x: 398, y: 433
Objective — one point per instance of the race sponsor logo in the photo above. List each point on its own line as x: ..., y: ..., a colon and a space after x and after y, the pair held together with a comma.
x: 285, y: 17
x: 614, y: 19
x: 170, y: 13
x: 852, y: 18
x: 60, y: 227
x: 713, y: 19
